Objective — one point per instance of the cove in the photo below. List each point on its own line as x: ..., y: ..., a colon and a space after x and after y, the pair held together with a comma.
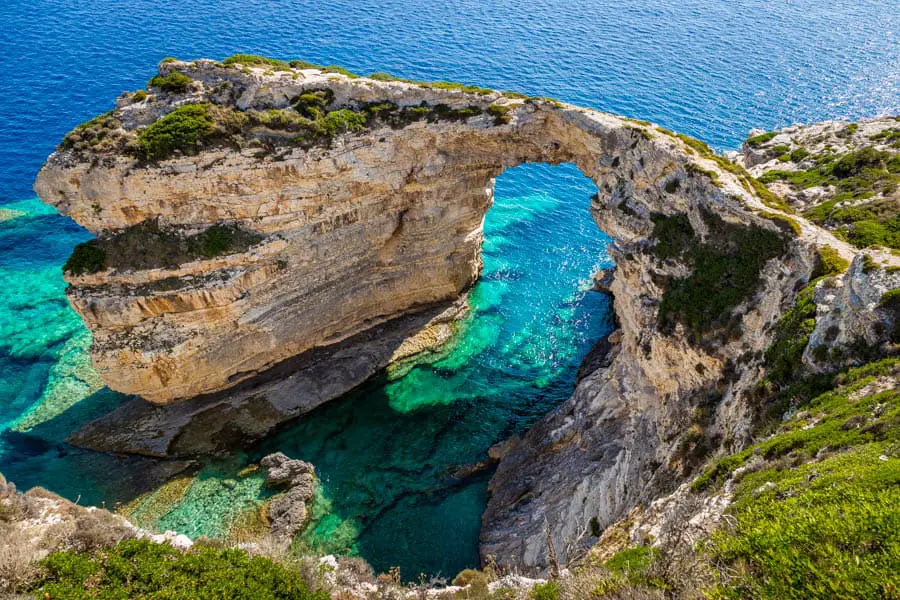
x: 392, y: 456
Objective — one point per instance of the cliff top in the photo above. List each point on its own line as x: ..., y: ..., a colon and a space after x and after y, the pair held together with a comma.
x: 842, y: 176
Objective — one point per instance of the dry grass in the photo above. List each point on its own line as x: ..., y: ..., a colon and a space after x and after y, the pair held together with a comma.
x: 19, y: 553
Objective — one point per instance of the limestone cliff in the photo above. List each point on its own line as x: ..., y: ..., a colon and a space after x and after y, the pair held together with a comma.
x: 263, y: 228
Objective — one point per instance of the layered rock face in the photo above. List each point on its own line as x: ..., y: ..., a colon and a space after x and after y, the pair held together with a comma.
x: 384, y: 220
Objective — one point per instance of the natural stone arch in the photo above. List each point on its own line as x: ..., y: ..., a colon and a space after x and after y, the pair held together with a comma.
x: 381, y: 227
x: 349, y: 222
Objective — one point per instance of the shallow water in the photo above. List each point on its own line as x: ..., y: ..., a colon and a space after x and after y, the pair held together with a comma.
x: 386, y: 455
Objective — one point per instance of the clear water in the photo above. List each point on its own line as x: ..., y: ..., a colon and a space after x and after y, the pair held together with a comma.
x: 710, y: 68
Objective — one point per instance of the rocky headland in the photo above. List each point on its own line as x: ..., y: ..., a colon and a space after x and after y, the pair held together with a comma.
x: 270, y: 234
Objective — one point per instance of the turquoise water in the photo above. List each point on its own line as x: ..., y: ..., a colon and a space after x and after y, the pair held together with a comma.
x: 709, y: 68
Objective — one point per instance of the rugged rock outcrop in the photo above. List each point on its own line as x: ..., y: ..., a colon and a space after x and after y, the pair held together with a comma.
x: 856, y: 320
x: 366, y: 200
x: 287, y: 512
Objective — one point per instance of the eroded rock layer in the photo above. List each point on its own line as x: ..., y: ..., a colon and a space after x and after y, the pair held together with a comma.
x: 363, y: 201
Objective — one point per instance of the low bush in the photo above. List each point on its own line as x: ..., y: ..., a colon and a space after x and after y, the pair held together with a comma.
x: 254, y: 60
x: 100, y: 134
x: 340, y: 70
x: 87, y: 257
x: 183, y: 129
x: 174, y: 82
x: 313, y: 104
x: 829, y: 262
x: 500, y: 113
x: 546, y: 591
x: 139, y: 569
x: 759, y: 140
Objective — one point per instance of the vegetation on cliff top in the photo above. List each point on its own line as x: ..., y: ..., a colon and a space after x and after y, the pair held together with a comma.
x: 147, y: 246
x: 747, y: 181
x: 174, y: 82
x: 859, y: 184
x: 814, y: 512
x: 184, y: 129
x: 817, y: 509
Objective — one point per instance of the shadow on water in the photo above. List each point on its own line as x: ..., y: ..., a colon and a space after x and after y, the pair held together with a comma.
x: 39, y: 456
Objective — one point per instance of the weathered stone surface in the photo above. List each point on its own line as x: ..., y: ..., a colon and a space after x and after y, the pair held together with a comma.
x: 852, y: 324
x: 288, y: 511
x: 384, y: 222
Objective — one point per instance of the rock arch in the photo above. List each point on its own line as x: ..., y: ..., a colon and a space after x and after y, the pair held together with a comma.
x: 384, y: 226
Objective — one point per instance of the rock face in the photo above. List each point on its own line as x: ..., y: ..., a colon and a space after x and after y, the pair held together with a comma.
x: 854, y: 320
x: 385, y: 220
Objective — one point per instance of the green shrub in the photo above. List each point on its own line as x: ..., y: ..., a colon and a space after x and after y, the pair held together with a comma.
x: 830, y: 262
x: 889, y: 136
x: 139, y: 96
x: 631, y: 562
x: 443, y: 112
x: 183, y: 129
x: 254, y: 60
x: 140, y: 569
x: 476, y: 583
x: 546, y: 591
x: 100, y: 134
x: 786, y: 224
x: 174, y: 82
x: 854, y: 162
x: 340, y: 70
x: 302, y: 64
x: 443, y: 85
x: 500, y: 113
x: 167, y: 60
x: 596, y: 530
x: 87, y: 257
x: 216, y: 240
x: 863, y: 234
x: 344, y: 121
x: 890, y: 299
x: 798, y: 154
x: 313, y: 104
x: 759, y: 140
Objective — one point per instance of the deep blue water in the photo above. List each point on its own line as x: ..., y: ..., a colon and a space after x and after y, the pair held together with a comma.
x: 712, y: 69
